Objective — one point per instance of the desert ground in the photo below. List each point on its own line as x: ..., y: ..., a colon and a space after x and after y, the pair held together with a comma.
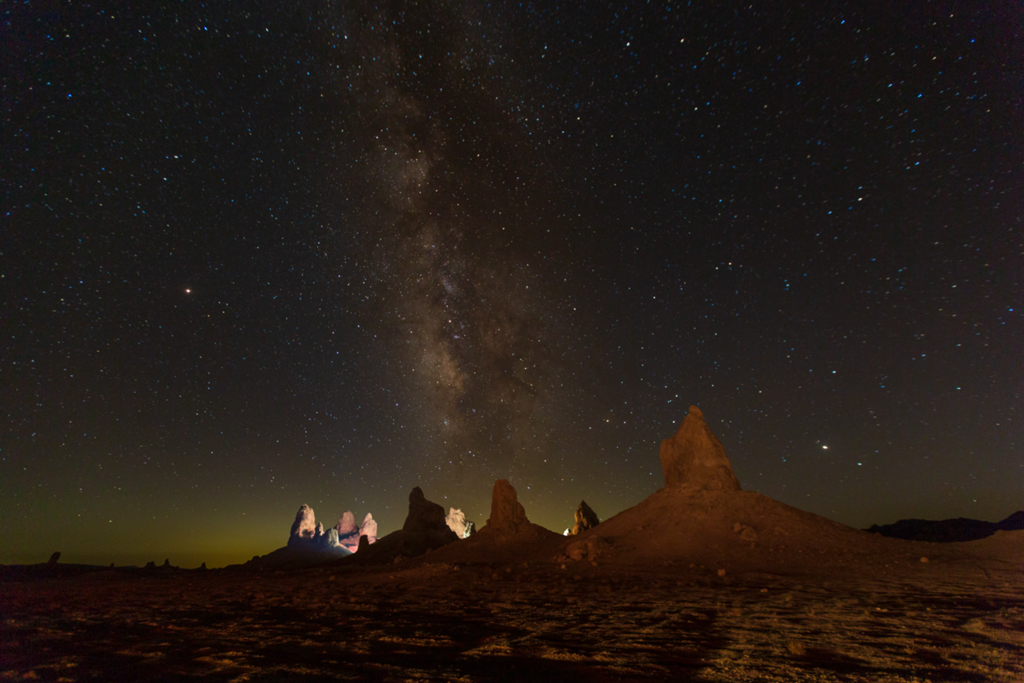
x: 618, y: 613
x: 701, y: 581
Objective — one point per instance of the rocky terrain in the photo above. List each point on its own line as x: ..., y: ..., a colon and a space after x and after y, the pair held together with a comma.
x: 701, y: 581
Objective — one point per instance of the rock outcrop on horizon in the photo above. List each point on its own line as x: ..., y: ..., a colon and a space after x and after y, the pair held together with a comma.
x: 456, y: 521
x: 349, y: 533
x: 424, y: 529
x: 694, y: 457
x: 304, y: 526
x: 947, y: 530
x: 507, y: 513
x: 346, y: 525
x: 585, y: 519
x: 368, y: 529
x: 425, y: 516
x: 309, y: 535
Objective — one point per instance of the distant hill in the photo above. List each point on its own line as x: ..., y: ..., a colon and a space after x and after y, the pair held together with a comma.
x: 948, y: 530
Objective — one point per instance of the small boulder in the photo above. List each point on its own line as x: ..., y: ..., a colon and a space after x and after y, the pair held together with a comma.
x: 587, y: 548
x: 585, y: 519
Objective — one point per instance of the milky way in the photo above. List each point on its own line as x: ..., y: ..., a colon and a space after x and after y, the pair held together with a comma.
x: 474, y: 324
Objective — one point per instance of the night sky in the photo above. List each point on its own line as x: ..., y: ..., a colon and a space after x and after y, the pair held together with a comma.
x: 257, y: 255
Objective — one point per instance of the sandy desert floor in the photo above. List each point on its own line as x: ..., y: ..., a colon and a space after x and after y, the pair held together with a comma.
x: 509, y: 622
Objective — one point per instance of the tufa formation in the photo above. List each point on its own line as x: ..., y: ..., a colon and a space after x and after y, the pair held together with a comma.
x: 507, y: 513
x: 585, y: 519
x: 695, y: 458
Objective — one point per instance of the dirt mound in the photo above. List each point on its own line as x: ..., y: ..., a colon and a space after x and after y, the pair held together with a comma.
x: 739, y: 531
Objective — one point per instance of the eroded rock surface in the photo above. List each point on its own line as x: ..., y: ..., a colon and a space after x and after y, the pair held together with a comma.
x: 507, y: 513
x: 585, y: 519
x: 346, y: 525
x: 304, y: 526
x: 425, y: 529
x: 369, y: 528
x: 695, y: 458
x: 424, y: 515
x: 456, y: 521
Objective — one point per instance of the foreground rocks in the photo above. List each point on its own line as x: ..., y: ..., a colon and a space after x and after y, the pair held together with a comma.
x: 694, y: 457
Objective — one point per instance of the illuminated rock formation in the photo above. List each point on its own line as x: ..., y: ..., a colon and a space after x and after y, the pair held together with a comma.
x: 304, y: 526
x: 456, y: 521
x: 695, y: 458
x: 368, y: 529
x: 346, y: 525
x: 585, y: 519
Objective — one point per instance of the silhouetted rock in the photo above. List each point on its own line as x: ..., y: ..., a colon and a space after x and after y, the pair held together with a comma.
x: 695, y: 458
x: 304, y: 526
x: 424, y: 529
x: 948, y: 530
x: 456, y: 521
x: 424, y: 516
x: 1014, y: 522
x: 368, y: 528
x: 585, y: 519
x: 364, y: 542
x: 507, y: 514
x: 54, y: 559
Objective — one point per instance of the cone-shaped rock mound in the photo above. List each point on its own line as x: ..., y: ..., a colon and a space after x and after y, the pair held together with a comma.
x: 695, y: 458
